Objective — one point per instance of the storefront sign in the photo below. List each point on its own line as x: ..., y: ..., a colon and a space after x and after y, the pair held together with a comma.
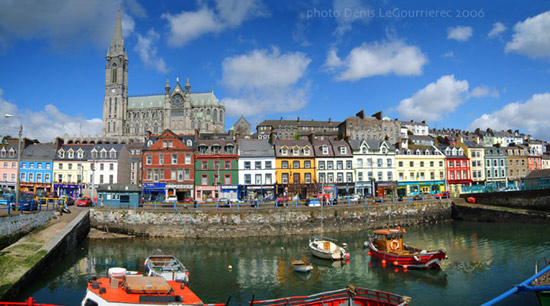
x: 180, y: 186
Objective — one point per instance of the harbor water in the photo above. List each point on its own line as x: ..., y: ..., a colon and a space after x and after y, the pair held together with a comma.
x: 485, y: 259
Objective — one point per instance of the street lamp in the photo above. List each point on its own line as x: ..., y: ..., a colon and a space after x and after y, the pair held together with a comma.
x: 18, y: 157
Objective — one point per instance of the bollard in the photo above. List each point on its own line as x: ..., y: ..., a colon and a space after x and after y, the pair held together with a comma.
x: 409, y: 199
x: 155, y: 205
x: 9, y: 207
x: 217, y: 204
x: 175, y: 208
x: 296, y: 202
x: 237, y: 203
x: 349, y: 201
x: 422, y: 195
x: 381, y: 199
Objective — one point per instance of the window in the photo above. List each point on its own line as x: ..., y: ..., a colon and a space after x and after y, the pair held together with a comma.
x: 156, y: 175
x: 216, y: 149
x: 321, y: 165
x: 23, y: 176
x: 268, y: 179
x: 422, y: 164
x: 458, y: 177
x: 174, y: 159
x: 180, y: 175
x: 268, y: 164
x: 349, y: 177
x: 401, y: 176
x: 440, y: 163
x: 204, y: 179
x: 14, y: 165
x: 488, y: 163
x: 70, y: 166
x: 360, y: 163
x: 247, y: 165
x: 111, y: 179
x: 496, y: 173
x: 390, y: 176
x: 187, y: 159
x: 186, y: 174
x: 296, y: 164
x: 343, y: 150
x: 111, y: 166
x: 400, y: 164
x: 284, y: 177
x: 379, y: 162
x: 60, y: 178
x: 148, y: 159
x: 100, y: 178
x: 307, y: 164
x: 173, y: 175
x: 47, y: 177
x: 170, y: 144
x: 330, y: 165
x: 321, y: 177
x: 388, y: 162
x: 380, y: 175
x: 284, y: 164
x: 411, y: 164
x: 307, y: 178
x: 488, y: 173
x: 258, y: 179
x: 330, y: 177
x: 295, y: 151
x: 431, y: 163
x: 204, y: 164
x: 369, y: 162
x: 283, y: 151
x: 227, y: 164
x: 451, y: 163
x: 324, y: 149
x: 339, y: 165
x: 217, y: 165
x: 101, y: 167
x: 258, y: 165
x: 306, y: 151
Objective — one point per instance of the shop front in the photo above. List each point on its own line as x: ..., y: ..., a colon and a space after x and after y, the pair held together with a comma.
x: 71, y: 190
x: 230, y: 192
x: 37, y: 188
x: 386, y: 189
x: 345, y: 189
x: 414, y: 188
x: 260, y: 192
x: 183, y: 192
x: 207, y: 193
x: 154, y: 192
x: 363, y: 188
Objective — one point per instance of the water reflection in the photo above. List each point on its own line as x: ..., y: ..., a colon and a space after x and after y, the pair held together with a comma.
x: 484, y: 261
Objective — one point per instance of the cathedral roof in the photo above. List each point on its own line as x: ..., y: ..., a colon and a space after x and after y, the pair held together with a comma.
x: 157, y: 101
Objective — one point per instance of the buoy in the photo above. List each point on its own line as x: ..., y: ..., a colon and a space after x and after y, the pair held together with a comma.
x: 229, y: 267
x: 395, y: 263
x: 405, y: 267
x: 396, y: 270
x: 347, y: 255
x: 383, y: 262
x: 282, y: 248
x: 369, y: 253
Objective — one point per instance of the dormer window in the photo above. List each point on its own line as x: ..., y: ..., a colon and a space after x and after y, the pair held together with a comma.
x: 80, y: 154
x: 12, y: 152
x: 295, y: 151
x: 202, y: 149
x: 112, y: 153
x: 384, y: 150
x: 216, y: 149
x: 408, y: 152
x: 447, y: 151
x: 94, y: 153
x: 61, y: 154
x: 103, y: 153
x: 306, y: 151
x: 343, y: 150
x: 427, y: 152
x: 71, y: 154
x: 149, y: 143
x: 364, y: 150
x: 284, y: 151
x: 3, y: 153
x: 189, y: 142
x: 229, y: 149
x: 324, y: 149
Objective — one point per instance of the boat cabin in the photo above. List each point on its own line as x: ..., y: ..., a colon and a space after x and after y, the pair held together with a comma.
x: 389, y: 240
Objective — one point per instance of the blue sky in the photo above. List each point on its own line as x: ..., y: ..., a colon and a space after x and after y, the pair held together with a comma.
x: 463, y: 64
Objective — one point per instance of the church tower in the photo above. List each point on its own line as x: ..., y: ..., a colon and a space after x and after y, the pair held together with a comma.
x: 116, y: 85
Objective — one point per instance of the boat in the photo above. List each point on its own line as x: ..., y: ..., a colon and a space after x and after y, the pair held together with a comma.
x: 301, y: 266
x: 538, y: 283
x: 350, y: 295
x: 166, y: 266
x: 387, y: 246
x: 327, y: 249
x: 29, y: 302
x: 122, y: 289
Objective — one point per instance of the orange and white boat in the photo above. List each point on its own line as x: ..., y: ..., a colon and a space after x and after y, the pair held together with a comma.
x: 120, y: 289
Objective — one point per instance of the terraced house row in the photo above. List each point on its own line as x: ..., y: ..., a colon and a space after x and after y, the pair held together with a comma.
x: 194, y: 167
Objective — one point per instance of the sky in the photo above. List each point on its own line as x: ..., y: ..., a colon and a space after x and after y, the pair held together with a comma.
x: 455, y: 64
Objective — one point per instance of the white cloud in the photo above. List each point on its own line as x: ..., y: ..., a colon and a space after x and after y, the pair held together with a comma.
x: 484, y: 91
x: 147, y: 51
x: 498, y: 28
x: 263, y: 82
x: 531, y: 115
x: 435, y: 100
x: 459, y: 33
x: 448, y: 54
x: 377, y: 59
x: 349, y: 11
x: 64, y: 24
x: 532, y: 37
x: 187, y: 26
x: 46, y: 124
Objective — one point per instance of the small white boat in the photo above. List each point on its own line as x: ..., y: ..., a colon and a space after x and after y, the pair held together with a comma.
x: 167, y: 267
x: 327, y: 249
x: 301, y: 266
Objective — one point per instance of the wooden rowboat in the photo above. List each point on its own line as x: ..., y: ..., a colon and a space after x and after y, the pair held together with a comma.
x: 301, y: 266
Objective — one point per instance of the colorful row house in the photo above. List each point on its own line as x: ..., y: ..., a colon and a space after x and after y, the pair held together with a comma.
x: 168, y: 167
x: 256, y: 169
x: 497, y: 163
x: 295, y: 168
x: 375, y: 167
x: 36, y: 168
x: 8, y: 166
x: 420, y: 169
x: 458, y: 169
x: 334, y: 163
x: 216, y: 170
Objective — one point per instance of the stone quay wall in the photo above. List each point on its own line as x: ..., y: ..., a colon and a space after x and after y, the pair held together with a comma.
x: 524, y: 199
x: 226, y: 222
x: 14, y: 227
x: 490, y: 213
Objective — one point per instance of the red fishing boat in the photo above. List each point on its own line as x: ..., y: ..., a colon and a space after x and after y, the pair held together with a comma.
x: 351, y: 295
x: 29, y: 302
x: 387, y: 246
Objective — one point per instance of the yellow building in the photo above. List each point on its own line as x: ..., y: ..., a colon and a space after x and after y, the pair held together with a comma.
x: 295, y: 168
x: 70, y: 170
x: 420, y: 169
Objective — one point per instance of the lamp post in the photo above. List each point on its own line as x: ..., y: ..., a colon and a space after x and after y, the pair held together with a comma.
x: 18, y: 157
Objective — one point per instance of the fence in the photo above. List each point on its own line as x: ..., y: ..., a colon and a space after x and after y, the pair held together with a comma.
x: 38, y: 204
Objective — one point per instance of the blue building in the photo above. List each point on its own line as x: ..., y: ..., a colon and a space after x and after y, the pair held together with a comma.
x: 36, y: 168
x: 118, y: 195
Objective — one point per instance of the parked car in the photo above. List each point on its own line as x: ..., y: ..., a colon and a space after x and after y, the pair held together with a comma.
x: 442, y: 195
x: 27, y: 201
x: 509, y: 188
x: 424, y: 195
x: 225, y: 202
x: 7, y: 198
x: 283, y: 200
x: 84, y: 201
x: 172, y: 198
x: 68, y: 200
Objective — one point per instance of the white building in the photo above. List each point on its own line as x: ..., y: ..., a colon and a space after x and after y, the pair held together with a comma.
x: 334, y: 162
x: 374, y: 164
x: 416, y: 128
x: 257, y: 168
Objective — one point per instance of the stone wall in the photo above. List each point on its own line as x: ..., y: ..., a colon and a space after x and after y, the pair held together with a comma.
x: 14, y: 227
x: 486, y: 213
x: 277, y: 221
x: 525, y: 199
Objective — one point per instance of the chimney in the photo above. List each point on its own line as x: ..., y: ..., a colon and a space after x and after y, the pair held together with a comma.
x: 424, y: 121
x: 298, y: 120
x: 329, y: 120
x: 361, y: 114
x: 377, y: 115
x: 281, y: 118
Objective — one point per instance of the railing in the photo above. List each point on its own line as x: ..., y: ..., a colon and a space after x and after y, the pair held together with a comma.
x: 274, y: 203
x: 358, y: 296
x: 29, y: 302
x: 38, y: 204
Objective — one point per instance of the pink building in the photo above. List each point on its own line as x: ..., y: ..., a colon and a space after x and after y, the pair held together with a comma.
x: 8, y: 166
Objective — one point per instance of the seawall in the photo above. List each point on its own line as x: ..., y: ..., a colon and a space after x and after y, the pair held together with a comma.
x: 24, y: 261
x: 524, y: 199
x: 226, y: 222
x: 14, y: 227
x: 462, y: 211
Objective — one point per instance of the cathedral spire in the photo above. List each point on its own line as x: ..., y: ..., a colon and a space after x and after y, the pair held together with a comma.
x: 117, y: 44
x: 187, y: 85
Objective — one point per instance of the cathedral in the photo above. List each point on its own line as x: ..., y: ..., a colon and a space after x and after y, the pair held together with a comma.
x: 178, y: 109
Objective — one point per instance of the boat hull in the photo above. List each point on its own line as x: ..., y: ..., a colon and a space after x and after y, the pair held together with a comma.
x: 544, y: 298
x: 302, y: 268
x: 332, y: 252
x: 166, y: 266
x: 428, y: 260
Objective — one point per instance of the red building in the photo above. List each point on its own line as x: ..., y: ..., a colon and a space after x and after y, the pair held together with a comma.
x: 534, y: 162
x: 168, y: 162
x: 458, y: 169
